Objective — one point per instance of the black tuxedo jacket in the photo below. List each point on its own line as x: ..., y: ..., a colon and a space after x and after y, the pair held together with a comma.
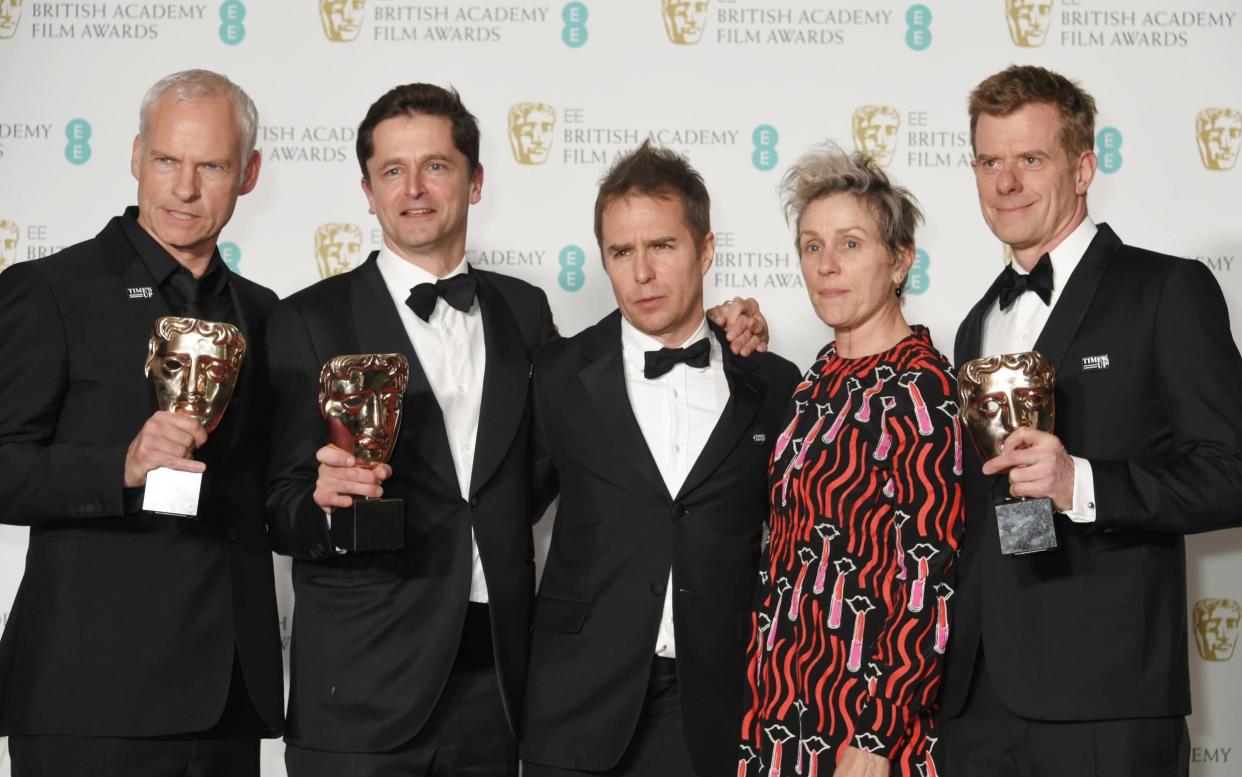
x: 124, y: 625
x: 618, y: 531
x: 1096, y: 629
x: 375, y: 634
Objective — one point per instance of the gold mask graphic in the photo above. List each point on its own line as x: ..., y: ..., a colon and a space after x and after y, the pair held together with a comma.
x: 360, y: 398
x: 1216, y: 628
x: 338, y: 247
x: 192, y: 366
x: 531, y: 127
x: 684, y: 21
x: 875, y: 132
x: 342, y: 19
x: 1000, y: 393
x: 8, y: 243
x: 1029, y: 21
x: 1219, y: 134
x: 10, y: 15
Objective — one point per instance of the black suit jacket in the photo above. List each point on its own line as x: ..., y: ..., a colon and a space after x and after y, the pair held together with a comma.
x: 1096, y: 629
x: 375, y: 634
x: 617, y: 533
x: 124, y: 625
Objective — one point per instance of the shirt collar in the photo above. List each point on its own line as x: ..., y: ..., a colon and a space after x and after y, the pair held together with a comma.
x: 635, y: 343
x: 161, y: 264
x: 401, y: 276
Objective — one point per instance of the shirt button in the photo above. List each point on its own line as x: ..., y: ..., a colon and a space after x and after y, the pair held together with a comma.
x: 677, y: 449
x: 1090, y: 505
x: 676, y: 393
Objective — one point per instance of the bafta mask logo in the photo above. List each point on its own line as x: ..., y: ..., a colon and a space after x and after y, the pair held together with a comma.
x: 530, y: 132
x: 10, y: 15
x: 1216, y: 628
x: 342, y: 19
x: 8, y: 243
x: 684, y: 21
x: 338, y: 247
x: 875, y: 132
x: 1029, y: 21
x: 1219, y: 133
x: 360, y: 398
x: 192, y: 366
x: 998, y: 394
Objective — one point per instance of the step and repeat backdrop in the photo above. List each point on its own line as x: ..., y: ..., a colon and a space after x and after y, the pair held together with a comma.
x: 742, y: 87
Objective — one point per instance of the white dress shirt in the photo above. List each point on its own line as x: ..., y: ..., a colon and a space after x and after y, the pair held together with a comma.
x: 450, y: 348
x: 676, y: 413
x: 1018, y: 328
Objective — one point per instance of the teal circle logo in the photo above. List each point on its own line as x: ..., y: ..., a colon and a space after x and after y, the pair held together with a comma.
x: 1108, y: 149
x: 764, y: 157
x: 232, y: 14
x: 231, y: 254
x: 918, y: 32
x: 572, y: 259
x: 574, y: 34
x: 78, y: 149
x: 918, y: 281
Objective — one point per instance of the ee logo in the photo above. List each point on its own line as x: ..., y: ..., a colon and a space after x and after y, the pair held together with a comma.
x: 572, y: 259
x: 1108, y: 149
x: 231, y: 254
x: 575, y: 32
x: 764, y: 138
x: 232, y: 14
x: 918, y: 34
x: 78, y: 150
x: 918, y: 280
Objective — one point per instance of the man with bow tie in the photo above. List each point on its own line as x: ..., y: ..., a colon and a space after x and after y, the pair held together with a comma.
x: 413, y: 661
x: 1073, y: 661
x: 660, y: 437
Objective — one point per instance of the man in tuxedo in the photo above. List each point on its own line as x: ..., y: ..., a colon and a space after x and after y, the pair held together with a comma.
x: 1073, y: 661
x: 139, y: 644
x: 660, y: 437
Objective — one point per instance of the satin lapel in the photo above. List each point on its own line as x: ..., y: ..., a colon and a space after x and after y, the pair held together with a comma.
x: 745, y: 397
x: 1076, y: 296
x: 619, y: 438
x: 134, y: 289
x: 972, y: 339
x: 380, y: 330
x: 506, y: 382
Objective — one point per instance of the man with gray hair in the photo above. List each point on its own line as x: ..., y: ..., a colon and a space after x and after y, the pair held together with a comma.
x: 139, y: 643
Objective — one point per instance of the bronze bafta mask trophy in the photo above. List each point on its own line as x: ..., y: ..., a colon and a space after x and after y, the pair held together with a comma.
x: 997, y: 395
x: 192, y: 368
x: 360, y: 398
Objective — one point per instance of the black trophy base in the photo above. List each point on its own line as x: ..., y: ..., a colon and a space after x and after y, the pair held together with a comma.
x: 369, y: 525
x: 1026, y: 526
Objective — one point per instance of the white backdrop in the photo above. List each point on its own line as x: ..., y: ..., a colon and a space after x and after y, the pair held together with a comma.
x: 741, y: 86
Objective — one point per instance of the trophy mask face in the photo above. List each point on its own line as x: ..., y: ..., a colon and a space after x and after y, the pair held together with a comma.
x: 1029, y: 21
x: 360, y: 398
x: 1000, y: 393
x: 192, y: 367
x: 1216, y: 628
x: 875, y: 132
x: 337, y: 248
x: 8, y: 243
x: 10, y: 15
x: 342, y: 19
x: 530, y: 132
x: 684, y: 21
x: 1220, y: 137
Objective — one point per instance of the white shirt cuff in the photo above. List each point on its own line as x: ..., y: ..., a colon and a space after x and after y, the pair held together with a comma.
x: 1083, y: 510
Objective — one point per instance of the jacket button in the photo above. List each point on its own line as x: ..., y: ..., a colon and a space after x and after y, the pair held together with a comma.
x: 657, y: 587
x: 679, y: 511
x: 232, y: 535
x: 474, y: 501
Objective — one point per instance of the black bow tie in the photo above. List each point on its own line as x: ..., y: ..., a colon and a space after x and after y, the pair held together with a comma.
x: 457, y: 291
x: 1015, y: 284
x: 656, y: 363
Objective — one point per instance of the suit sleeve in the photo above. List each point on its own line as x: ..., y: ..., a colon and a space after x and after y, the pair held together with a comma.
x: 544, y: 480
x: 1198, y: 374
x: 41, y: 479
x: 908, y: 654
x: 297, y: 525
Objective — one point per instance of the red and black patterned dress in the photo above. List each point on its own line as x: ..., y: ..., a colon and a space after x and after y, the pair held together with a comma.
x: 851, y: 621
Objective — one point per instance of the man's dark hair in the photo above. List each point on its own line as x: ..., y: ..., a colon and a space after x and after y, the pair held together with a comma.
x: 656, y: 172
x: 427, y: 100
